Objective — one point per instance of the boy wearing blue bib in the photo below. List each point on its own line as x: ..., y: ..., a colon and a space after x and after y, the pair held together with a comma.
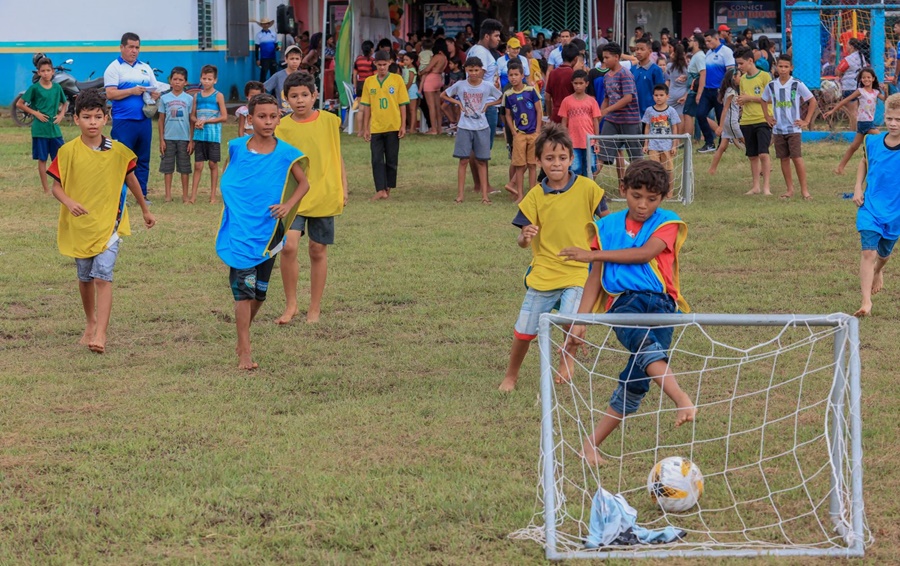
x: 258, y: 209
x: 634, y: 270
x: 876, y: 195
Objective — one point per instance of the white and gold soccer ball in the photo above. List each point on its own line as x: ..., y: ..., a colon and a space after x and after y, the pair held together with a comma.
x: 675, y: 483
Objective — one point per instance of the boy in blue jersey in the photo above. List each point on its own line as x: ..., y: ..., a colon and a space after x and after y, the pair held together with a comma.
x: 259, y: 207
x: 878, y: 199
x: 647, y: 74
x: 635, y: 270
x: 523, y: 117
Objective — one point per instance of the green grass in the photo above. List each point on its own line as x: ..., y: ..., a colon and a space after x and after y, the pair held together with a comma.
x: 377, y: 435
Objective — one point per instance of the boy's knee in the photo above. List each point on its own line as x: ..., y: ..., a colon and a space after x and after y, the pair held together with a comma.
x: 317, y: 251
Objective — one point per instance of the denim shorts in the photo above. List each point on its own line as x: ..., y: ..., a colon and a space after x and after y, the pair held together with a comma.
x: 862, y: 128
x: 98, y: 267
x: 647, y: 345
x: 45, y: 149
x: 536, y: 303
x: 872, y: 240
x: 582, y: 162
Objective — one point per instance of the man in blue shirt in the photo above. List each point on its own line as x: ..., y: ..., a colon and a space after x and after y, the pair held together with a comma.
x: 266, y: 50
x: 719, y: 59
x: 646, y: 74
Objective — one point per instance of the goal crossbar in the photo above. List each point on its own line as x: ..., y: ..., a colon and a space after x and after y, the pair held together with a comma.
x: 847, y: 372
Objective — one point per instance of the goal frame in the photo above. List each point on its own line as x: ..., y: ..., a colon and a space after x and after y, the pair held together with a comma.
x: 687, y: 170
x: 845, y: 370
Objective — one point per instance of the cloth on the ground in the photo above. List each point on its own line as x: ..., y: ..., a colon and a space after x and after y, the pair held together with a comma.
x: 614, y: 522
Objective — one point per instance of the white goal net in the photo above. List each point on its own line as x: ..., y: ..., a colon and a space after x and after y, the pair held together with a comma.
x: 777, y: 436
x: 619, y: 151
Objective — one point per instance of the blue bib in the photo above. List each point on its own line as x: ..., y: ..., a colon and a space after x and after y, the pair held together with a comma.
x: 880, y: 211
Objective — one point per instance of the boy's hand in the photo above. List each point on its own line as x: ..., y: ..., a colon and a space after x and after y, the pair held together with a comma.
x: 59, y: 118
x: 190, y: 147
x: 529, y: 232
x: 743, y: 99
x: 162, y: 146
x: 802, y: 124
x: 827, y: 114
x: 346, y: 198
x: 401, y: 133
x: 577, y: 254
x: 75, y: 208
x: 41, y: 116
x: 646, y: 148
x: 199, y: 124
x: 682, y: 99
x: 367, y: 135
x: 279, y: 210
x: 596, y: 145
x: 149, y: 220
x: 858, y: 198
x: 718, y: 131
x: 771, y: 121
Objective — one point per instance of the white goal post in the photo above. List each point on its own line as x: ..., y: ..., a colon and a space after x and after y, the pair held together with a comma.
x: 783, y: 473
x: 681, y: 166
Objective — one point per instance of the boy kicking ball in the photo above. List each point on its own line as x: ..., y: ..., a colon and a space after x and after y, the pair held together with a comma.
x: 635, y: 270
x: 258, y: 209
x: 87, y: 174
x: 878, y: 199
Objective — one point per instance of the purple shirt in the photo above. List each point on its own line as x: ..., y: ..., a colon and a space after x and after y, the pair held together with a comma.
x: 523, y: 106
x: 617, y: 86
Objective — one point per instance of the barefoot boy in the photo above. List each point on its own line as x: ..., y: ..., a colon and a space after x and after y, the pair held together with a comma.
x: 524, y: 118
x: 46, y: 102
x: 551, y: 217
x: 755, y: 120
x: 87, y: 174
x: 635, y: 270
x: 786, y: 94
x: 259, y: 207
x: 384, y: 122
x: 878, y: 198
x: 175, y: 141
x: 207, y: 115
x: 317, y: 135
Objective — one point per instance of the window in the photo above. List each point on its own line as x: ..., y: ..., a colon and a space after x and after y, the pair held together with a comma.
x: 204, y: 24
x: 263, y: 12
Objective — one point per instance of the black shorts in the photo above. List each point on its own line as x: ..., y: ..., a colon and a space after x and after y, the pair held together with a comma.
x: 251, y: 284
x: 207, y: 151
x: 757, y: 138
x: 319, y: 230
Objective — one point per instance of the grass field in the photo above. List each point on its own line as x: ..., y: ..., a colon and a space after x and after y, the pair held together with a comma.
x: 377, y: 435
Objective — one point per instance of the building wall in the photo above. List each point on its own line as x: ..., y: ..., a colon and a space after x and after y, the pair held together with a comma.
x: 168, y: 31
x: 694, y: 13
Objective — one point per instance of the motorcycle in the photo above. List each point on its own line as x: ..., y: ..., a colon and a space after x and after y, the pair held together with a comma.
x: 63, y: 77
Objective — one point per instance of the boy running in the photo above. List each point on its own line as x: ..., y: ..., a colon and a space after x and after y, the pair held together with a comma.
x: 258, y: 209
x: 175, y: 143
x: 524, y: 117
x: 786, y: 94
x: 384, y: 122
x: 46, y: 102
x: 87, y: 174
x: 878, y: 199
x: 635, y: 270
x: 551, y: 217
x: 317, y: 135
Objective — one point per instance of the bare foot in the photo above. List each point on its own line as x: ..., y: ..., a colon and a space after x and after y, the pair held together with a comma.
x: 686, y: 413
x: 192, y: 201
x: 786, y: 196
x: 864, y: 310
x: 767, y: 193
x: 87, y: 336
x: 752, y: 192
x: 287, y: 316
x: 511, y: 190
x: 312, y: 317
x: 807, y: 196
x: 380, y: 195
x: 508, y: 384
x: 212, y: 201
x: 458, y: 200
x: 168, y: 200
x: 878, y: 282
x: 710, y: 171
x: 245, y: 362
x: 486, y: 201
x: 97, y: 347
x: 590, y: 454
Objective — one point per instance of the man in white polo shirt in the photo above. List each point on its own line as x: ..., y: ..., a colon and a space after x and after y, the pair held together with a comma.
x: 126, y: 80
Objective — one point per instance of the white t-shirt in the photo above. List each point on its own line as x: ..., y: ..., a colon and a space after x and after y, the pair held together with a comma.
x: 490, y: 64
x: 786, y: 99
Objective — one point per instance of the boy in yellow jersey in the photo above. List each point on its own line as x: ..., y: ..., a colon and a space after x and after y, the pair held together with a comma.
x: 317, y: 135
x: 87, y: 174
x: 383, y: 123
x: 552, y: 217
x: 635, y: 270
x: 755, y: 119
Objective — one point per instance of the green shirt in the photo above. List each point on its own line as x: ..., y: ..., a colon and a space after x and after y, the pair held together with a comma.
x: 46, y: 100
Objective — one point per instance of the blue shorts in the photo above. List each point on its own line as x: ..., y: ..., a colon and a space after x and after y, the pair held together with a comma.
x: 647, y: 345
x: 98, y: 267
x: 863, y: 128
x: 872, y: 240
x: 536, y: 303
x: 690, y: 104
x: 42, y: 148
x: 582, y: 162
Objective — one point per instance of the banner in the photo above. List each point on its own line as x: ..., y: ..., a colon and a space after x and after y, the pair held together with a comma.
x: 452, y: 18
x: 762, y: 17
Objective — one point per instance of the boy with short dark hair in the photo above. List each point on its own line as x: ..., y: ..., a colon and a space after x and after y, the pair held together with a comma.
x: 647, y: 74
x: 208, y: 114
x: 786, y: 93
x: 755, y: 119
x: 581, y: 117
x: 384, y: 122
x: 635, y: 271
x: 661, y: 119
x: 317, y: 135
x: 551, y: 218
x: 619, y: 109
x: 524, y: 117
x: 88, y: 173
x: 259, y: 207
x: 175, y: 141
x: 293, y: 56
x: 46, y: 102
x: 559, y: 82
x: 473, y: 133
x: 251, y: 89
x: 878, y: 219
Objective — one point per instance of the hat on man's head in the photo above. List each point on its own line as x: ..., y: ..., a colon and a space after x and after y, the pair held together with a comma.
x: 513, y: 43
x: 698, y: 30
x: 266, y: 22
x: 609, y: 30
x: 724, y: 27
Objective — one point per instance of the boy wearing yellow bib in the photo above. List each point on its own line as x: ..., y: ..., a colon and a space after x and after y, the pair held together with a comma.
x: 635, y: 270
x: 87, y: 180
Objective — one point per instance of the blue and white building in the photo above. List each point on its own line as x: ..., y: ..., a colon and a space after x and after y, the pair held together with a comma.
x: 186, y: 33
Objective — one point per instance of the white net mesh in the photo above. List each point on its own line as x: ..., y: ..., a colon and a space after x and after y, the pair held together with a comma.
x: 771, y: 438
x: 677, y: 161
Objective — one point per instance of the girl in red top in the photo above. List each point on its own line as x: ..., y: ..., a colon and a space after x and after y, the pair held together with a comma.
x: 364, y: 66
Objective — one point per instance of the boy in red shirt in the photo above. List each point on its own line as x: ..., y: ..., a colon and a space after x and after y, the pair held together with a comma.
x: 580, y: 115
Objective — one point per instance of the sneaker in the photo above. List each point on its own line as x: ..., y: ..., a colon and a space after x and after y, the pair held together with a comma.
x: 709, y: 148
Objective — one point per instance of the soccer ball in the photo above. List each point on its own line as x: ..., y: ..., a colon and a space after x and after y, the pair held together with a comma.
x: 675, y: 483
